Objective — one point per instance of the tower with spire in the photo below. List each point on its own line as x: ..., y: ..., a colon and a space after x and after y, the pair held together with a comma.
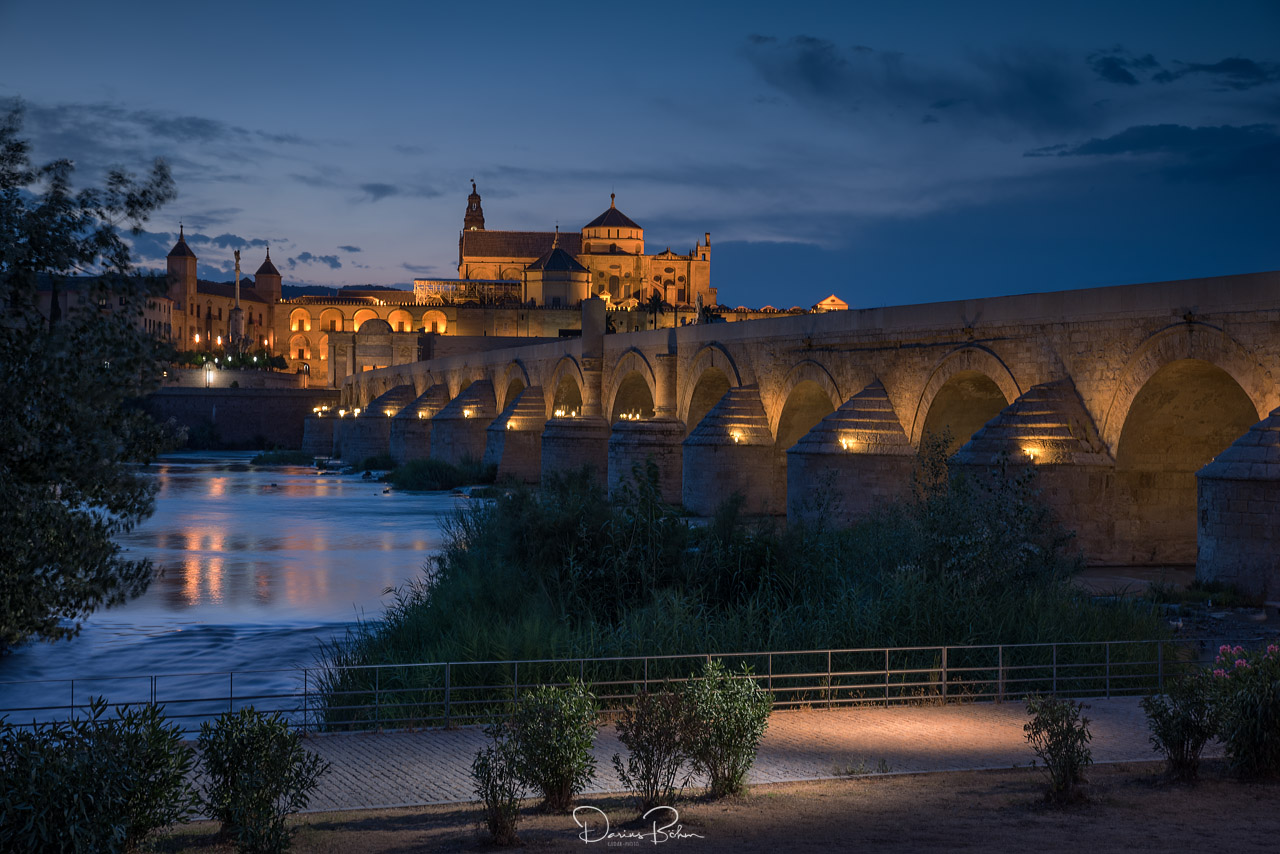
x: 266, y: 282
x: 181, y: 265
x: 473, y: 220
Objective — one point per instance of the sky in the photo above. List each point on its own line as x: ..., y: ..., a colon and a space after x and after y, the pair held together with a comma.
x: 889, y: 153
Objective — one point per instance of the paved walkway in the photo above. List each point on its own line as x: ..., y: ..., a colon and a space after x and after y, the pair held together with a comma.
x: 403, y: 769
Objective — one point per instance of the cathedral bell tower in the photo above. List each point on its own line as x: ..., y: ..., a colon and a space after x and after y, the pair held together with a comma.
x: 474, y: 219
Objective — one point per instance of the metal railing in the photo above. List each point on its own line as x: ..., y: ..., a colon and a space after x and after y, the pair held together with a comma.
x: 413, y: 696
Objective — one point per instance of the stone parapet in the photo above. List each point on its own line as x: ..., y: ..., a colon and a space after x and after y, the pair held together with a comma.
x: 634, y: 444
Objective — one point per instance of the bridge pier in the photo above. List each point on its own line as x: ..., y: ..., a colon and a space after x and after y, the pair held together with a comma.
x: 1048, y: 429
x: 634, y: 444
x: 854, y: 460
x: 1238, y: 500
x: 569, y: 444
x: 514, y: 439
x: 317, y: 434
x: 458, y: 430
x: 732, y: 451
x: 369, y: 434
x: 411, y: 428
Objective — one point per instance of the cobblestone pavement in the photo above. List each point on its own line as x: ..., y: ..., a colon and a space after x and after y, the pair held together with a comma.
x: 401, y: 769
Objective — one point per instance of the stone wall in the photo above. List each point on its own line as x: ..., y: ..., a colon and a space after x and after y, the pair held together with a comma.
x: 241, y: 417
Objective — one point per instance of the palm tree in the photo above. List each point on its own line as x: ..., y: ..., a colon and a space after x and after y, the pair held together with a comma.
x: 655, y: 306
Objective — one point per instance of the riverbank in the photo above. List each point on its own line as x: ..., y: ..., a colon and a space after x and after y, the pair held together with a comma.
x: 1132, y: 807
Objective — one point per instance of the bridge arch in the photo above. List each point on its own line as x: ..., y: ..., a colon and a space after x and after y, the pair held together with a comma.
x: 567, y: 383
x: 509, y: 381
x: 633, y: 386
x: 968, y: 387
x: 711, y: 373
x: 1196, y: 341
x: 807, y: 394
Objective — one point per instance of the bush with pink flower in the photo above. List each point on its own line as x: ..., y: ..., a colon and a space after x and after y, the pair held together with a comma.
x: 1248, y: 683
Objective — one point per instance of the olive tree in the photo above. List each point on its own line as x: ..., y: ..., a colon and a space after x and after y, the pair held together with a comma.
x: 67, y: 381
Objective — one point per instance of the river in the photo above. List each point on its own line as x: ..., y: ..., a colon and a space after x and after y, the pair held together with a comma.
x: 256, y: 568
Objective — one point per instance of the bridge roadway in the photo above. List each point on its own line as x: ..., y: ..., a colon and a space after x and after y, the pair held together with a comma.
x: 433, y: 766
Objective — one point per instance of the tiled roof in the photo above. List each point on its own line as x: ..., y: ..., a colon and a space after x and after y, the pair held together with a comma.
x: 516, y: 244
x: 267, y: 268
x: 181, y: 250
x: 557, y: 261
x: 224, y: 289
x: 612, y: 218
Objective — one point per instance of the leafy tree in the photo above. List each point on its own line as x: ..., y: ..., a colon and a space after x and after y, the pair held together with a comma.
x: 656, y: 307
x: 67, y: 486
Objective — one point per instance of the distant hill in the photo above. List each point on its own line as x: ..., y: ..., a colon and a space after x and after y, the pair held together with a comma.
x: 291, y: 291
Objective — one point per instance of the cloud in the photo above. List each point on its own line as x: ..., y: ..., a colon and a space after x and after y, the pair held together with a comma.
x: 421, y: 269
x: 218, y: 216
x: 1235, y: 72
x: 377, y: 192
x: 350, y: 248
x: 1197, y: 153
x: 307, y: 258
x: 1037, y: 89
x: 1116, y: 65
x: 100, y: 134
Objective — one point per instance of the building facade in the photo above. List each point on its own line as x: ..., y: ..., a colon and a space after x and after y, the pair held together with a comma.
x: 610, y: 248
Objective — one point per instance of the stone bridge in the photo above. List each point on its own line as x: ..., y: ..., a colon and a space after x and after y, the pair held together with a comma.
x: 1117, y: 396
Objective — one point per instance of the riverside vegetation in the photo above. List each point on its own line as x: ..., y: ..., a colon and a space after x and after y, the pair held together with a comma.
x: 565, y: 573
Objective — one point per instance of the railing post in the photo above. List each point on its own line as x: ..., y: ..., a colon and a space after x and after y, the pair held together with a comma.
x: 1000, y: 673
x: 153, y: 690
x: 304, y: 700
x: 1055, y: 670
x: 72, y: 707
x: 515, y: 682
x: 646, y: 674
x: 448, y: 666
x: 944, y: 674
x: 1108, y: 647
x: 828, y: 680
x: 886, y: 678
x: 1160, y: 667
x: 771, y: 674
x: 377, y: 698
x: 231, y: 691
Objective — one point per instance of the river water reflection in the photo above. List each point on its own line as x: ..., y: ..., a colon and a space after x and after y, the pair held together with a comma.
x: 257, y: 567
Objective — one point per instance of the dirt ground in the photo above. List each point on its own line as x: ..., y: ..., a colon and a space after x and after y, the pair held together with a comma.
x: 1132, y: 808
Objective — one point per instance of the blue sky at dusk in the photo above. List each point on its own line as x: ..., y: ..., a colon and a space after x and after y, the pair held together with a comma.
x: 886, y: 152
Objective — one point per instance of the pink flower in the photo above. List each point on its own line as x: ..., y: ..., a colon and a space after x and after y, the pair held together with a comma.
x: 1238, y: 650
x: 1224, y: 648
x: 1273, y: 649
x: 1240, y: 662
x: 1220, y: 673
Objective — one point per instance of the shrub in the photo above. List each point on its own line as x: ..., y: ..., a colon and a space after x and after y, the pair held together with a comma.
x: 728, y: 716
x: 1060, y: 736
x: 554, y: 729
x: 94, y: 784
x: 381, y: 462
x: 257, y: 774
x: 283, y: 458
x: 1182, y: 721
x: 1248, y: 686
x: 432, y: 475
x: 495, y: 774
x: 654, y: 729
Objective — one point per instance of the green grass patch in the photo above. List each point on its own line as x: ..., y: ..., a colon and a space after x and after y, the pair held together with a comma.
x: 565, y: 573
x: 1206, y: 593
